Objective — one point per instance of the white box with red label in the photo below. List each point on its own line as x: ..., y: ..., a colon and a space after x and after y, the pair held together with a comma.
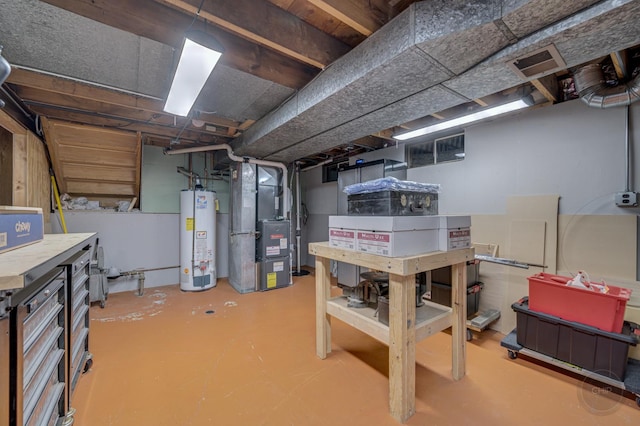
x: 342, y: 232
x: 454, y: 232
x: 396, y: 236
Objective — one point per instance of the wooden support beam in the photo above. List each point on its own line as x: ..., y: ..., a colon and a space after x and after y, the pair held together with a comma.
x: 323, y: 321
x: 270, y: 26
x: 548, y: 86
x: 246, y: 124
x: 402, y: 346
x: 480, y: 102
x: 88, y: 92
x: 87, y: 118
x: 385, y: 134
x: 619, y: 60
x: 7, y: 122
x: 458, y: 326
x: 155, y: 21
x: 354, y: 13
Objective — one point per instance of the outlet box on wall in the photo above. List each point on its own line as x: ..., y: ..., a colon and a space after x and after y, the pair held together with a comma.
x: 626, y: 199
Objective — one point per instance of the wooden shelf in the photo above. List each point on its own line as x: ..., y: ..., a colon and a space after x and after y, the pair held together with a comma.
x: 407, y: 324
x: 430, y: 319
x: 407, y: 265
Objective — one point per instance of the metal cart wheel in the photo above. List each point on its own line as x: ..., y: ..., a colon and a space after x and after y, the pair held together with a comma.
x: 87, y: 365
x: 102, y: 304
x: 469, y: 335
x: 638, y: 401
x: 512, y: 354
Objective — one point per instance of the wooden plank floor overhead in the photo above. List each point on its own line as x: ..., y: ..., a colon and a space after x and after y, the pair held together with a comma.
x: 94, y: 162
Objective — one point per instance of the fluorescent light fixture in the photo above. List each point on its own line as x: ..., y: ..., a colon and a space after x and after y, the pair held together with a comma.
x: 466, y: 119
x: 200, y: 53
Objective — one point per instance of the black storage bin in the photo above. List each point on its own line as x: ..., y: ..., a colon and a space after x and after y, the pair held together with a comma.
x: 443, y: 275
x: 383, y: 310
x: 441, y: 294
x: 588, y: 347
x: 393, y: 203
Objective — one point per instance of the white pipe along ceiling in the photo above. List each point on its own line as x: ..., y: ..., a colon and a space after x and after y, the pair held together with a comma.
x: 233, y: 157
x: 433, y: 56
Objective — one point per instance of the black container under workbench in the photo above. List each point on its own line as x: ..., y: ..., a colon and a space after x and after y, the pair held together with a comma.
x: 441, y: 294
x: 599, y: 351
x: 393, y: 203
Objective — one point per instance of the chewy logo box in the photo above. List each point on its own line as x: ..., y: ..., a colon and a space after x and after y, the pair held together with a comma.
x: 20, y: 226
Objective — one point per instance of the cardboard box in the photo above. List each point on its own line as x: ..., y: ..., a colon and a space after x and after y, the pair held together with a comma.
x: 342, y: 234
x: 397, y: 236
x: 342, y: 238
x: 454, y: 232
x: 20, y: 226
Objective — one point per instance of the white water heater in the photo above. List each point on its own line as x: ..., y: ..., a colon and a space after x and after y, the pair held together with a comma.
x: 197, y: 240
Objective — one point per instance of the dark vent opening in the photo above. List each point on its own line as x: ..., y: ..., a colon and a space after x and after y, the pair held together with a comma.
x: 536, y: 64
x: 533, y: 60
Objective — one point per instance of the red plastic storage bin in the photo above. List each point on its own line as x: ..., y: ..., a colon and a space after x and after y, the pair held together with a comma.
x: 549, y: 294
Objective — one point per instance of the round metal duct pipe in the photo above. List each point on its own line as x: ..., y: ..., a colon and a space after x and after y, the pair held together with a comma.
x: 591, y: 88
x: 5, y: 70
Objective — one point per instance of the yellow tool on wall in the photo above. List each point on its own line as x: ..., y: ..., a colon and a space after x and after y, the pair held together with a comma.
x: 55, y: 192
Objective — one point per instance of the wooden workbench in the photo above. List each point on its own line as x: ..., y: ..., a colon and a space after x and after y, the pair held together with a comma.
x: 403, y: 332
x: 20, y: 266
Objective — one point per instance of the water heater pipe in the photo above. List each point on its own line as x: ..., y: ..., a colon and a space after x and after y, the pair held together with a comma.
x: 232, y: 156
x: 298, y: 272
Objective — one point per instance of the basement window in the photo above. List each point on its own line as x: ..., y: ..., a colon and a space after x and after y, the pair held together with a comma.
x: 330, y: 172
x: 435, y: 151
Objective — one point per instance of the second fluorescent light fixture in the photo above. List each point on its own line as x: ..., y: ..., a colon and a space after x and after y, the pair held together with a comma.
x: 200, y: 54
x: 476, y: 116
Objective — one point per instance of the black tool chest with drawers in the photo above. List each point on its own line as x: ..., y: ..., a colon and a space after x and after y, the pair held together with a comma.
x: 44, y: 329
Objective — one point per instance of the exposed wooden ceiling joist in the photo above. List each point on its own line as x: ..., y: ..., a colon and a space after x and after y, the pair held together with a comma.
x: 155, y: 21
x: 61, y: 88
x: 321, y: 20
x: 270, y: 26
x: 84, y: 117
x: 354, y: 13
x: 548, y: 86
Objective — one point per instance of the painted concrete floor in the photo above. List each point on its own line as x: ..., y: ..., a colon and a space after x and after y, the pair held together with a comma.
x: 223, y: 358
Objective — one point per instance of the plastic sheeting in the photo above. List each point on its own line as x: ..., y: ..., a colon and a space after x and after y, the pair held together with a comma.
x: 390, y: 184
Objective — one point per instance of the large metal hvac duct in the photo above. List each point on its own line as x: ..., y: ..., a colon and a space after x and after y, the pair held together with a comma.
x: 5, y: 70
x: 434, y: 55
x: 593, y: 91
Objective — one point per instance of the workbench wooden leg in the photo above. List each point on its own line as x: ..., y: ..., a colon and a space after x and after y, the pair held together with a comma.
x: 459, y: 321
x: 402, y: 346
x: 323, y: 321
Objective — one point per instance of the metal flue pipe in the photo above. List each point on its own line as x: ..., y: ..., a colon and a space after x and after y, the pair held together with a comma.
x: 590, y: 86
x: 232, y: 156
x: 5, y: 70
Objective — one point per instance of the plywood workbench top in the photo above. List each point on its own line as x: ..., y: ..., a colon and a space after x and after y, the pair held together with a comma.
x: 55, y: 248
